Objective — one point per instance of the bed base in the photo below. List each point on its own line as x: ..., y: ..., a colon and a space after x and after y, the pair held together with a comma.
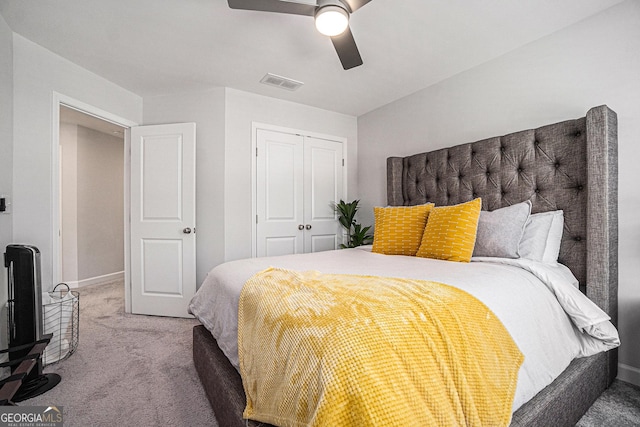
x: 562, y: 403
x: 221, y: 381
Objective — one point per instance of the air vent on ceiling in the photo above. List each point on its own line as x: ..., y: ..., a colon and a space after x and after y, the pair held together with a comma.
x: 281, y: 82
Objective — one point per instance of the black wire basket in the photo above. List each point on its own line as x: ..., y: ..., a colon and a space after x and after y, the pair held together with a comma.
x: 61, y: 317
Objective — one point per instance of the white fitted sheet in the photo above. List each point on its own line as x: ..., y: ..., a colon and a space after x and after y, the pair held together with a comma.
x: 527, y: 296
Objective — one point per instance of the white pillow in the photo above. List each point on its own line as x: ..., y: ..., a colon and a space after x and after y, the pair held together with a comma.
x: 542, y: 237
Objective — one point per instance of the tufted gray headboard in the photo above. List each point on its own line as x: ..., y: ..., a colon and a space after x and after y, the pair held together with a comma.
x: 571, y: 165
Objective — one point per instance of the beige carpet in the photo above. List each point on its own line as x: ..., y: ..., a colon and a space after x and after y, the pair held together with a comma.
x: 128, y: 370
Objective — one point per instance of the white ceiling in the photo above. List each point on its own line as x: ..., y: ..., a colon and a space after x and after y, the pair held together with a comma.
x: 154, y: 47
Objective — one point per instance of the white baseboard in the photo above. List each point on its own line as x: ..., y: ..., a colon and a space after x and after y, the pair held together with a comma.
x: 629, y: 374
x: 96, y: 280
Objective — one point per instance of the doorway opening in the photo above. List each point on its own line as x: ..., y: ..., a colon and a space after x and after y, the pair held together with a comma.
x: 148, y: 163
x: 91, y: 199
x: 60, y: 101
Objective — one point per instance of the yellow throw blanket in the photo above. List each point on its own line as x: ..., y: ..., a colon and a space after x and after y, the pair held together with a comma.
x: 343, y: 350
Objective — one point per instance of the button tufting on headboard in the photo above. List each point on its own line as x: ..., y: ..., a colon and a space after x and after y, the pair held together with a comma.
x: 545, y: 165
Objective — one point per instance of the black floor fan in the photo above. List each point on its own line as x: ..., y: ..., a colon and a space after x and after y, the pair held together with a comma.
x: 25, y: 321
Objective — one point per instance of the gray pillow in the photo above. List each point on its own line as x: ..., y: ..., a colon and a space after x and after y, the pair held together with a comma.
x: 500, y: 231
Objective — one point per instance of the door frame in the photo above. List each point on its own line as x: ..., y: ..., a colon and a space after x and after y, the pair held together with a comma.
x: 59, y: 100
x: 254, y: 176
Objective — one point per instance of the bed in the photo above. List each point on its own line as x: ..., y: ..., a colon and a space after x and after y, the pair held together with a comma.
x: 571, y: 165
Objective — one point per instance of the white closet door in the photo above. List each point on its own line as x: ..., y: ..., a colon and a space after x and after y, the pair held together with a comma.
x: 279, y: 191
x: 322, y: 189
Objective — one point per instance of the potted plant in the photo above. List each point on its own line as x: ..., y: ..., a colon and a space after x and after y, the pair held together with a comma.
x: 356, y: 234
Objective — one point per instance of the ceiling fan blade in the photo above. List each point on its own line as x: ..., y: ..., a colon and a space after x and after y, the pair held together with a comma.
x: 355, y: 4
x: 278, y: 6
x: 347, y: 50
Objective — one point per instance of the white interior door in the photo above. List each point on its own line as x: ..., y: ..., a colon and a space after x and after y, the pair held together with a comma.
x: 163, y: 241
x: 323, y: 188
x: 279, y: 193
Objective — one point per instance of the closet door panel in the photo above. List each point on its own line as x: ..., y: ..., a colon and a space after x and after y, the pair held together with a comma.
x: 279, y: 193
x: 322, y: 189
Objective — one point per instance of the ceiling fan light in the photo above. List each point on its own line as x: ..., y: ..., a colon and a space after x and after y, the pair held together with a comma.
x: 332, y: 20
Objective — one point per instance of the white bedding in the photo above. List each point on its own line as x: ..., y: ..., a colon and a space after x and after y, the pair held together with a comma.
x: 547, y: 316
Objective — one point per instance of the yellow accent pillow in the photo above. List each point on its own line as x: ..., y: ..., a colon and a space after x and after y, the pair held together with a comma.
x: 398, y: 229
x: 450, y: 233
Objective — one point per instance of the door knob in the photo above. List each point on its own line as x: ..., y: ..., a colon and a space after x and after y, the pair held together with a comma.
x: 300, y: 227
x: 187, y: 230
x: 308, y: 227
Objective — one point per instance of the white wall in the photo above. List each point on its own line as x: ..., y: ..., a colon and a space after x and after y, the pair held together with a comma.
x: 243, y: 108
x: 206, y: 109
x: 559, y: 77
x: 6, y: 157
x: 38, y: 73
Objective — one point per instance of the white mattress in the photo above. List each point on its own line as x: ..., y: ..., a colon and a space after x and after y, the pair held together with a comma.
x: 549, y: 319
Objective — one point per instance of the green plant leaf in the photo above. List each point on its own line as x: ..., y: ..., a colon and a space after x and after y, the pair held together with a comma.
x: 356, y: 235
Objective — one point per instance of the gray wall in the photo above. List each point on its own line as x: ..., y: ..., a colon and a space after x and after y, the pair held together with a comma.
x: 39, y: 74
x: 223, y: 119
x: 69, y: 201
x: 594, y: 62
x: 92, y: 203
x: 206, y: 109
x: 6, y: 156
x: 100, y: 204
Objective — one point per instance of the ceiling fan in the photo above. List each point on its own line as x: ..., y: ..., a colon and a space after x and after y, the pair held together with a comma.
x: 331, y: 16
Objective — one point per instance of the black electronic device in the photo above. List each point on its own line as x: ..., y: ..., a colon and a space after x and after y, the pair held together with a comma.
x: 25, y: 321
